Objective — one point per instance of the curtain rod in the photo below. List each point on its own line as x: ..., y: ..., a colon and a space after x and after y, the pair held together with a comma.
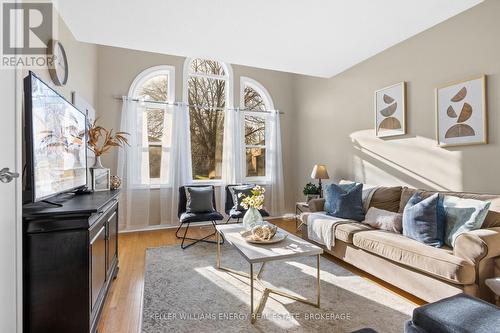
x: 191, y: 105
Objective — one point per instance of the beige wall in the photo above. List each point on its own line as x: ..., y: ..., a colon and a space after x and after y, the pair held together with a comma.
x: 118, y: 67
x: 82, y: 63
x: 335, y: 119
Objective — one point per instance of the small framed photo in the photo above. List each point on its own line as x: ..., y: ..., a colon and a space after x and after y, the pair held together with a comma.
x: 461, y: 113
x: 390, y: 110
x: 101, y: 179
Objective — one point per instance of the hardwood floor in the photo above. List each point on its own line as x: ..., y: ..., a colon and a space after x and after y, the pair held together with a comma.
x: 122, y: 310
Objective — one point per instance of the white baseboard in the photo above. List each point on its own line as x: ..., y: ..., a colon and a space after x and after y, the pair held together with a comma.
x: 287, y: 216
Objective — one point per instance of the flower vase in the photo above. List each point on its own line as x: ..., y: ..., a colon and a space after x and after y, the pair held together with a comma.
x: 97, y: 163
x: 252, y: 218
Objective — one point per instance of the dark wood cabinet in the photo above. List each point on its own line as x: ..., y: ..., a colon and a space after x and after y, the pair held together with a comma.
x: 70, y: 257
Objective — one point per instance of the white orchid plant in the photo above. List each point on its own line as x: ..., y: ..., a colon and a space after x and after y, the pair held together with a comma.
x: 256, y: 200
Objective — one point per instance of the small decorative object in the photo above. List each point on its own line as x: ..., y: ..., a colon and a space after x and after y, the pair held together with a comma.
x: 390, y: 110
x: 100, y: 179
x: 311, y: 191
x: 319, y: 172
x: 252, y: 203
x: 116, y: 182
x: 264, y: 234
x: 461, y: 113
x: 102, y: 140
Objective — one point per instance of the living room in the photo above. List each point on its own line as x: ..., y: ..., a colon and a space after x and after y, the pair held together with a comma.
x: 318, y: 166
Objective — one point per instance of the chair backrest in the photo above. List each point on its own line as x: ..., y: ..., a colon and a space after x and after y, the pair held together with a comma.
x: 181, y: 208
x: 229, y: 202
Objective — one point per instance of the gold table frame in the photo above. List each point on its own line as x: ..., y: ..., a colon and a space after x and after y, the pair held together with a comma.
x: 267, y: 291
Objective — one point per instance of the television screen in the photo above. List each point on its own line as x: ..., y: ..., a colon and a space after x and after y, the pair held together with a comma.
x: 57, y: 141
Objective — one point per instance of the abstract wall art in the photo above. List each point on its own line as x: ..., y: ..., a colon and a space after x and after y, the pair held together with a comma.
x: 461, y: 113
x: 390, y: 110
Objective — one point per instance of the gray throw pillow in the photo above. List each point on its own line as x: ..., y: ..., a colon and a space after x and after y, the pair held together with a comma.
x: 384, y: 220
x: 236, y: 190
x: 199, y: 199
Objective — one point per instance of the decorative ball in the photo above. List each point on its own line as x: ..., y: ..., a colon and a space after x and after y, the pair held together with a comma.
x: 116, y: 182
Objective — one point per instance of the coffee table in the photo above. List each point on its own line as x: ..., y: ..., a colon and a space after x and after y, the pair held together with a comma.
x: 291, y: 247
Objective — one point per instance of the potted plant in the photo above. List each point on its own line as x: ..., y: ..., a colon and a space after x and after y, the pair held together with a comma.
x: 311, y: 191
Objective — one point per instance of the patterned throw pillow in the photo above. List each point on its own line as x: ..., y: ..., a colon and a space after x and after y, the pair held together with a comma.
x: 345, y: 201
x: 199, y: 199
x: 420, y: 220
x: 461, y: 215
x: 236, y: 190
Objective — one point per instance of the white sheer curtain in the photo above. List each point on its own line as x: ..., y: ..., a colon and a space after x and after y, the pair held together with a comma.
x: 179, y: 169
x: 150, y: 202
x: 231, y: 153
x: 276, y: 166
x: 135, y: 203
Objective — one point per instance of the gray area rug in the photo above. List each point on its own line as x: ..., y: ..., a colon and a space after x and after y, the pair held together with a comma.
x: 184, y: 292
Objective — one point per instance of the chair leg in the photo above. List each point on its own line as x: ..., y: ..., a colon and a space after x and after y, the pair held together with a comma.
x: 228, y: 219
x: 195, y: 240
x: 221, y: 235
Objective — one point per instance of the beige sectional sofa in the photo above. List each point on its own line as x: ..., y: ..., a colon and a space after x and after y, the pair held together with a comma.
x: 424, y: 271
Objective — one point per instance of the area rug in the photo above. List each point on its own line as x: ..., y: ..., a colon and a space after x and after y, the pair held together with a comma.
x: 184, y: 292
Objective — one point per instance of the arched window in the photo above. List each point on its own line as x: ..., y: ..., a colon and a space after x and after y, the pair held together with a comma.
x: 154, y: 87
x: 207, y: 90
x: 255, y: 100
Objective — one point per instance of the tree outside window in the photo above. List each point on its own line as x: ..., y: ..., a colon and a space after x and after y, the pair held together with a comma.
x: 207, y: 95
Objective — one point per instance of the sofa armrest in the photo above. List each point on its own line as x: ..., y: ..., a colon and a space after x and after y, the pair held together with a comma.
x: 478, y: 244
x: 316, y: 205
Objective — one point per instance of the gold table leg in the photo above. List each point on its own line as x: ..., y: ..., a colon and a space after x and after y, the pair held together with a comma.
x: 253, y: 317
x: 267, y: 291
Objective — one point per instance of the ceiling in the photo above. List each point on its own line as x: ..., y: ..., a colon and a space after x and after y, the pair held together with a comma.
x: 313, y: 37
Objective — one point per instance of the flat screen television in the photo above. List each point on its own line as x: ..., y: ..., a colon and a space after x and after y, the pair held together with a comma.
x: 56, y: 142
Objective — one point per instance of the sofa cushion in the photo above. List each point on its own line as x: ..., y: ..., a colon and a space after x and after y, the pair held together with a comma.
x: 492, y: 218
x: 387, y: 198
x: 345, y: 231
x: 439, y: 262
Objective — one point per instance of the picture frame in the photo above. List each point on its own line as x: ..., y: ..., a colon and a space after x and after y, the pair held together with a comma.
x: 390, y: 110
x: 100, y: 179
x: 462, y: 113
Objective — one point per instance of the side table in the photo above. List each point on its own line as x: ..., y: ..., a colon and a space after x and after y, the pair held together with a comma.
x: 300, y: 207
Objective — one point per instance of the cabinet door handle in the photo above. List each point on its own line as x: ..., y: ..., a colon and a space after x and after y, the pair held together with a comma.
x: 112, y: 216
x: 97, y: 235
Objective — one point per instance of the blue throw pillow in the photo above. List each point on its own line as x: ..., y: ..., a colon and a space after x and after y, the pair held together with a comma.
x: 420, y: 220
x: 345, y: 201
x: 461, y: 215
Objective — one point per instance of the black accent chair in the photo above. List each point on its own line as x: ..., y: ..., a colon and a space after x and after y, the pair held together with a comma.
x: 188, y: 218
x: 229, y: 206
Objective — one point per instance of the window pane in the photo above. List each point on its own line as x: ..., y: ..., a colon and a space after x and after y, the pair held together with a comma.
x: 256, y: 162
x: 206, y: 125
x: 154, y: 161
x: 154, y: 89
x: 253, y: 100
x: 204, y: 66
x: 155, y: 124
x: 255, y: 130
